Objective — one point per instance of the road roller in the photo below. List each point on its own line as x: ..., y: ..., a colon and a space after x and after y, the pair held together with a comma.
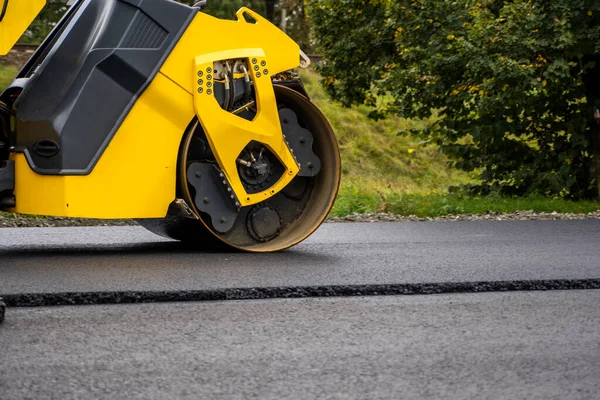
x: 196, y: 127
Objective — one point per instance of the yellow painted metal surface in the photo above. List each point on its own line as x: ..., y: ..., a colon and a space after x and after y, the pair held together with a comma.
x: 18, y: 15
x: 208, y: 34
x: 136, y: 175
x: 134, y: 178
x: 267, y: 50
x: 229, y: 134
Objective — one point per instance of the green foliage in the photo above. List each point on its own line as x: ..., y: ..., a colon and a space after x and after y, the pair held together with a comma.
x: 45, y: 22
x: 515, y: 83
x: 435, y: 205
x: 7, y: 74
x: 377, y: 162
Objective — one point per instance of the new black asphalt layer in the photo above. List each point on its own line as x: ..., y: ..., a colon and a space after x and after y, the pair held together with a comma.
x: 120, y: 259
x: 520, y: 345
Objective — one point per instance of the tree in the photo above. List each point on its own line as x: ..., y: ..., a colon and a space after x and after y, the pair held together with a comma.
x: 515, y: 84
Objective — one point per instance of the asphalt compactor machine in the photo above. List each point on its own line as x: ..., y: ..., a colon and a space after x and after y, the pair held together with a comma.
x: 155, y: 111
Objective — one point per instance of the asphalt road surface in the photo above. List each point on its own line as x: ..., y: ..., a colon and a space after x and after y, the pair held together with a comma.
x: 531, y: 342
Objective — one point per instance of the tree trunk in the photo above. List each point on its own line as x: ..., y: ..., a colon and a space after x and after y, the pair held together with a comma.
x: 284, y: 17
x: 270, y: 8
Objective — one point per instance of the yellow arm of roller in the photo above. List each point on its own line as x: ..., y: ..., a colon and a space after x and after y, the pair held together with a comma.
x: 267, y: 51
x: 15, y: 18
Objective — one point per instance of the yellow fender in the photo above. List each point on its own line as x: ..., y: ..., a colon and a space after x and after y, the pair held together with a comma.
x: 15, y: 18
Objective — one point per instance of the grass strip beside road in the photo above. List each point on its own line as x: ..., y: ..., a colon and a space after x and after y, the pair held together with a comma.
x: 355, y: 201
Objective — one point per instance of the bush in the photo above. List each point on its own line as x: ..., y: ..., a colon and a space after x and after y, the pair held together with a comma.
x: 515, y: 83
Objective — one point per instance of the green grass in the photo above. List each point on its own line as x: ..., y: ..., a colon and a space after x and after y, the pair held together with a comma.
x: 435, y: 205
x: 377, y: 161
x: 7, y: 74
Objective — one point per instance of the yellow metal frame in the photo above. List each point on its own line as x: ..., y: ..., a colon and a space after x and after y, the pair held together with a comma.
x: 17, y: 18
x: 229, y: 134
x: 136, y: 175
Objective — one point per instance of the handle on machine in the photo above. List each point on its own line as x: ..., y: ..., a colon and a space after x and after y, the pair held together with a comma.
x: 4, y: 7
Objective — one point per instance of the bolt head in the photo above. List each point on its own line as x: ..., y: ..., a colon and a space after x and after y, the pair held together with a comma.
x: 200, y: 90
x: 206, y: 200
x: 198, y: 174
x: 263, y: 63
x: 200, y: 73
x: 223, y: 220
x: 302, y: 140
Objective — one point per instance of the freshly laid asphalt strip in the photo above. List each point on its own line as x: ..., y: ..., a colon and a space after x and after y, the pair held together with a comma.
x: 95, y: 298
x: 129, y: 259
x: 517, y: 345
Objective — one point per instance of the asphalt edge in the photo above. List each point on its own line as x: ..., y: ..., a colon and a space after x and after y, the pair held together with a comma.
x: 139, y: 297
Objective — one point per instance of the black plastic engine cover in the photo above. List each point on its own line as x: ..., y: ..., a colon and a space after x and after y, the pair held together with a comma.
x: 85, y: 78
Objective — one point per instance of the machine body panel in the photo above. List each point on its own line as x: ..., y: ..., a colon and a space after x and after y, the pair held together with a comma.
x: 82, y: 84
x: 134, y: 178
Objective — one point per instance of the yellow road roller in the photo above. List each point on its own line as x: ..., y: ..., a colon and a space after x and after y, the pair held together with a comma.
x: 152, y: 110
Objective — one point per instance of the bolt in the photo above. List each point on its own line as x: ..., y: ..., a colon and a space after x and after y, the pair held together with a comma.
x: 237, y: 204
x: 258, y: 74
x: 209, y: 70
x: 209, y: 84
x: 309, y: 165
x: 198, y: 174
x: 228, y: 190
x: 221, y: 175
x: 223, y: 220
x: 209, y: 91
x: 266, y: 72
x: 200, y: 73
x: 209, y: 77
x: 206, y: 200
x: 286, y: 121
x: 200, y: 81
x: 225, y: 182
x: 302, y: 140
x: 256, y: 68
x: 254, y: 61
x: 263, y: 63
x: 232, y: 197
x: 200, y: 90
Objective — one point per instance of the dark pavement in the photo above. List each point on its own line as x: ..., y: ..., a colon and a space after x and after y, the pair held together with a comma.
x: 517, y: 345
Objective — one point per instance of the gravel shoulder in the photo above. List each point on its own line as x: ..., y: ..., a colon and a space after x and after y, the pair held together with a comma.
x: 16, y: 221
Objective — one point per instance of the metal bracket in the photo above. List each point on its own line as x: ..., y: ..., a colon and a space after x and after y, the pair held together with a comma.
x: 214, y: 196
x: 229, y: 134
x: 304, y: 60
x: 300, y: 141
